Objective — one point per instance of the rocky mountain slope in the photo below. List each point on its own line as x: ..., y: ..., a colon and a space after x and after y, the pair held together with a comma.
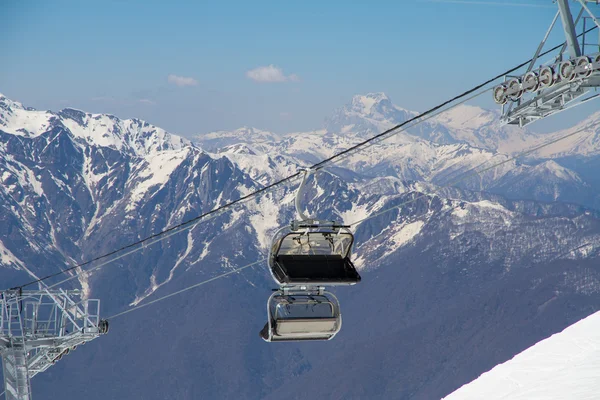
x: 455, y: 279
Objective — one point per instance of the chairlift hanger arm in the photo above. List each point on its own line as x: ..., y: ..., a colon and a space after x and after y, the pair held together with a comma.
x: 300, y: 192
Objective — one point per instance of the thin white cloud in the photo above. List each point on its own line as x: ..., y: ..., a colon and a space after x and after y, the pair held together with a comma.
x: 182, y: 81
x: 270, y: 73
x: 147, y: 101
x: 490, y: 3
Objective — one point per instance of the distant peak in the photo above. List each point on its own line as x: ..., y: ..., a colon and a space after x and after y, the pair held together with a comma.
x: 365, y: 103
x: 10, y: 103
x: 378, y: 96
x: 248, y: 129
x: 371, y: 112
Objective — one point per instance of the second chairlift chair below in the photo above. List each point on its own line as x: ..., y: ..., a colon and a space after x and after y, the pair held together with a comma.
x: 304, y: 257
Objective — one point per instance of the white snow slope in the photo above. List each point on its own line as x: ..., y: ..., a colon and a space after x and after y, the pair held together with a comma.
x: 564, y: 366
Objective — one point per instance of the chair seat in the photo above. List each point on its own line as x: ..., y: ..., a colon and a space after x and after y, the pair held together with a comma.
x: 309, y: 327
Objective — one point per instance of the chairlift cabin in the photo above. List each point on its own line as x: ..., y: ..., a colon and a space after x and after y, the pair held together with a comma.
x: 296, y: 315
x: 313, y: 254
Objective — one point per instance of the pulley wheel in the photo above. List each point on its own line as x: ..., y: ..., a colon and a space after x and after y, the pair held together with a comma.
x: 566, y: 70
x: 530, y: 82
x: 584, y: 67
x: 500, y: 94
x: 546, y: 77
x: 514, y: 89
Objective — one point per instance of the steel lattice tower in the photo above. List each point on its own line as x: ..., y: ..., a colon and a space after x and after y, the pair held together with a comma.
x: 39, y: 327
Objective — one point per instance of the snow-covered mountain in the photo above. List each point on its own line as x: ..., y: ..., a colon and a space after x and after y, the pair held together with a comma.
x: 367, y: 115
x: 131, y: 136
x: 583, y: 140
x: 373, y: 113
x: 564, y: 366
x: 445, y: 147
x: 78, y: 184
x: 441, y: 272
x: 217, y: 140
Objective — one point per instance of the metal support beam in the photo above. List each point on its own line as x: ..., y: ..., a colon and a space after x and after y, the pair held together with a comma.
x: 564, y: 46
x: 592, y: 16
x: 16, y: 375
x: 569, y: 27
x: 542, y: 43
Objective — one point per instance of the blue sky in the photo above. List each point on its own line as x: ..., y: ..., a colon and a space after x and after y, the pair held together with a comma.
x: 192, y: 67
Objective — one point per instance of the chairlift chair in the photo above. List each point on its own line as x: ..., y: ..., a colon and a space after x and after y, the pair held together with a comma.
x: 301, y: 314
x: 313, y: 254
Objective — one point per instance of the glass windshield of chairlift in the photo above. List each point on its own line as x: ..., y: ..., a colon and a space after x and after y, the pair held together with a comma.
x: 302, y: 307
x: 316, y: 243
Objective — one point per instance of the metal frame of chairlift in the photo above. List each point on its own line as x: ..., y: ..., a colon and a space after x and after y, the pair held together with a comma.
x: 321, y: 328
x: 308, y: 289
x: 38, y: 328
x: 557, y: 86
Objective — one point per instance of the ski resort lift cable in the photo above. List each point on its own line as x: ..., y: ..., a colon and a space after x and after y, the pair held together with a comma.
x: 468, y: 174
x: 155, y: 238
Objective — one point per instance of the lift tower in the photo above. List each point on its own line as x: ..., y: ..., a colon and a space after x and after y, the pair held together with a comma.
x: 564, y: 82
x: 38, y: 328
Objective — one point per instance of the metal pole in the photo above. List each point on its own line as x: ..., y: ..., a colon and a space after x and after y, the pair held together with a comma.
x: 542, y: 43
x: 583, y: 37
x: 564, y: 46
x: 16, y: 377
x: 569, y: 28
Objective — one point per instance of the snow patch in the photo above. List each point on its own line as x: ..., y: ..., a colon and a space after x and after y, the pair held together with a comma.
x: 406, y: 234
x: 234, y: 217
x: 7, y: 258
x: 460, y: 212
x: 489, y: 204
x: 356, y: 213
x: 155, y: 171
